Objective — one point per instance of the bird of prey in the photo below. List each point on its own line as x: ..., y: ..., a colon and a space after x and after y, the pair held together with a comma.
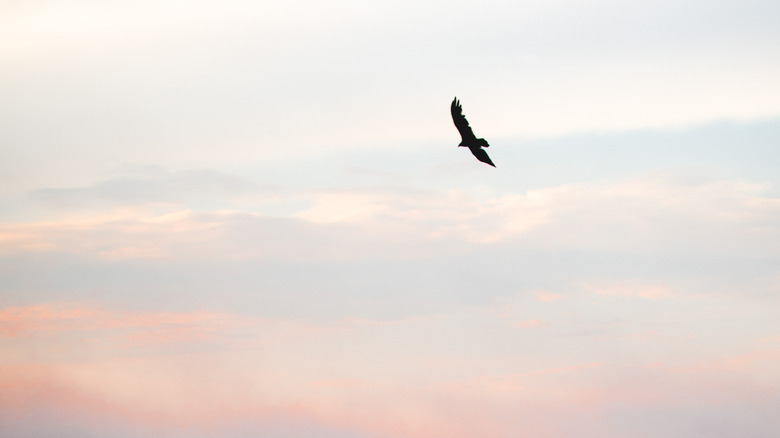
x: 468, y: 139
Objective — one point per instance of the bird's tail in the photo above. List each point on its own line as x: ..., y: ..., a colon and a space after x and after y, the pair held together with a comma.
x: 482, y: 142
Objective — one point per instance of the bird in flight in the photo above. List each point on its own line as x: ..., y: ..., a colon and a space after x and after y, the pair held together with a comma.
x: 468, y: 139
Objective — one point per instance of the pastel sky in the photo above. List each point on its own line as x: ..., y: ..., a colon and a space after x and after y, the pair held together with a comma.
x: 250, y: 219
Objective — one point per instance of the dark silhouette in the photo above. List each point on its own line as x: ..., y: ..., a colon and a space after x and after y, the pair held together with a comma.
x: 468, y: 138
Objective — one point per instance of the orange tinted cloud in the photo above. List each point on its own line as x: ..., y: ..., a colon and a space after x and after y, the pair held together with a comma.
x: 639, y: 213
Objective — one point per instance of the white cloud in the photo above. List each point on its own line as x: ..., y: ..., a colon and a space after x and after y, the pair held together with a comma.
x: 193, y: 84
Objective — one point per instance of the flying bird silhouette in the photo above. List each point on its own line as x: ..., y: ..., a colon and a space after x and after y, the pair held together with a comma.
x: 468, y: 139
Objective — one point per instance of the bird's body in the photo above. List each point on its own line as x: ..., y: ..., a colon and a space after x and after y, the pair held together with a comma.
x: 468, y: 139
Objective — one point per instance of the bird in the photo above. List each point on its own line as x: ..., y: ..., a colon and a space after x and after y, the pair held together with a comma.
x: 468, y: 139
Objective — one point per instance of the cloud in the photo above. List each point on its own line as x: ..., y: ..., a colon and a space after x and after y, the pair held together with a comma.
x: 456, y: 374
x: 652, y: 236
x: 586, y: 287
x: 547, y: 297
x: 644, y: 211
x: 530, y: 324
x: 632, y: 290
x: 206, y: 84
x: 646, y: 214
x: 154, y: 186
x: 597, y: 399
x: 93, y: 325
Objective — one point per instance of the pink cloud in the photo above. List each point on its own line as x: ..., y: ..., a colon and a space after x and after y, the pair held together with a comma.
x: 136, y: 327
x: 530, y: 324
x: 174, y: 394
x: 546, y: 297
x: 632, y: 289
x: 289, y: 373
x: 39, y: 318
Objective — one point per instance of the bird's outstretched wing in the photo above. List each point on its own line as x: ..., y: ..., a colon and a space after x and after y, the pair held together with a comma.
x: 481, y: 155
x: 461, y: 123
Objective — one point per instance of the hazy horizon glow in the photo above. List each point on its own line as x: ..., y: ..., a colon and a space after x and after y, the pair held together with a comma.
x: 231, y: 219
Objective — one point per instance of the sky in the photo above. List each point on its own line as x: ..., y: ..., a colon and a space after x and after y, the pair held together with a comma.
x: 251, y: 219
